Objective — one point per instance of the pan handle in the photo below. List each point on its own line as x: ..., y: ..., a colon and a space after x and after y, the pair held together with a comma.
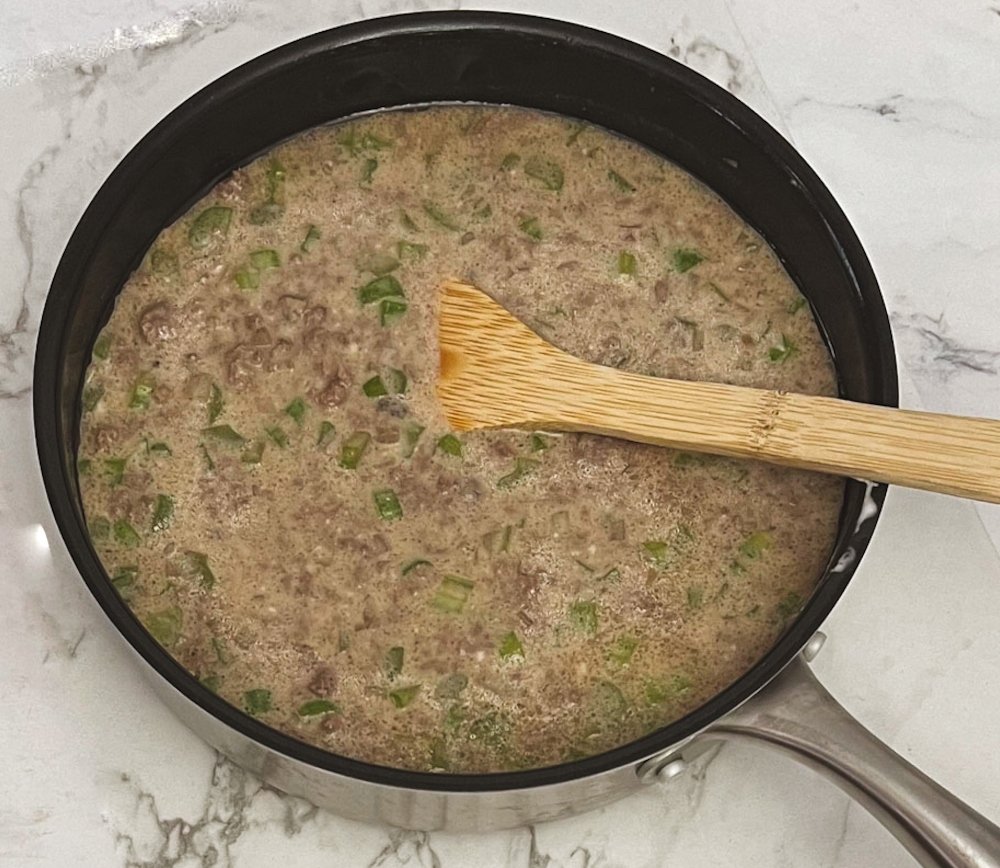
x: 796, y: 715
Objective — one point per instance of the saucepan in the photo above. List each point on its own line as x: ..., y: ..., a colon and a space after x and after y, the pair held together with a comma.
x: 492, y: 58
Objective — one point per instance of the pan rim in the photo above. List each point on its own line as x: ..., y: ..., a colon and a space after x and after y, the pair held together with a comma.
x: 50, y: 427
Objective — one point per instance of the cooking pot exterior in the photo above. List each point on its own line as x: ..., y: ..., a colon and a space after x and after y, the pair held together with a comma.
x: 431, y: 58
x: 404, y: 806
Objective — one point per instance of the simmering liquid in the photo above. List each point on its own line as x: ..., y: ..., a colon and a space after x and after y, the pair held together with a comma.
x: 274, y: 491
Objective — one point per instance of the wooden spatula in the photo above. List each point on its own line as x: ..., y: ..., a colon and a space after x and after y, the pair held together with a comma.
x: 497, y: 373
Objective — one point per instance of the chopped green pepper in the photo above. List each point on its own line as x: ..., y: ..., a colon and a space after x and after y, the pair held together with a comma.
x: 114, y: 469
x: 163, y: 513
x: 394, y: 661
x: 297, y: 410
x: 247, y: 278
x: 264, y: 259
x: 210, y: 224
x: 409, y: 250
x: 668, y: 689
x: 368, y: 170
x: 382, y: 287
x: 124, y: 578
x: 451, y: 686
x: 686, y: 258
x: 574, y: 133
x: 583, y: 616
x: 550, y: 174
x: 396, y: 381
x: 257, y: 701
x: 695, y: 597
x: 788, y: 605
x: 125, y: 534
x: 327, y: 430
x: 410, y: 566
x: 388, y: 505
x: 276, y: 433
x: 266, y: 212
x: 522, y: 467
x: 209, y: 463
x: 626, y: 263
x: 196, y: 566
x: 353, y: 448
x: 275, y: 177
x: 224, y: 434
x: 219, y: 647
x: 270, y: 209
x: 531, y: 227
x: 165, y: 625
x: 510, y: 646
x: 781, y: 352
x: 254, y: 453
x: 215, y: 404
x: 539, y: 443
x: 797, y: 304
x: 374, y: 142
x: 374, y: 388
x: 621, y: 652
x: 102, y: 346
x: 718, y: 291
x: 390, y: 310
x: 755, y: 544
x: 317, y: 708
x: 509, y: 162
x: 403, y: 696
x: 439, y: 755
x: 620, y: 182
x: 434, y: 211
x: 142, y: 393
x: 409, y: 435
x: 163, y: 262
x: 452, y: 594
x: 366, y: 142
x: 608, y: 704
x: 99, y: 528
x: 311, y: 239
x: 497, y: 541
x: 450, y: 445
x: 83, y: 466
x: 454, y: 718
x: 658, y: 551
x: 492, y: 730
x: 681, y: 534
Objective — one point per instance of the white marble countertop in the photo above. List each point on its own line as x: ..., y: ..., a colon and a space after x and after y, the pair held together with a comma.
x: 896, y: 106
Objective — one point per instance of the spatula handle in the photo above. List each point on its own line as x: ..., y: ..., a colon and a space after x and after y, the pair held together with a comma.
x: 949, y: 454
x: 956, y: 455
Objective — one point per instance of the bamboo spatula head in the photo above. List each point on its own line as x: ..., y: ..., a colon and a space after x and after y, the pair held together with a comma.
x: 491, y: 362
x: 496, y: 372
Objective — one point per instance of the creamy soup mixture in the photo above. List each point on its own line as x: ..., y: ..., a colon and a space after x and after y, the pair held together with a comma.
x: 273, y: 489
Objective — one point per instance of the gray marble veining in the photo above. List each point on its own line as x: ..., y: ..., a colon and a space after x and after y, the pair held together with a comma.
x: 898, y: 112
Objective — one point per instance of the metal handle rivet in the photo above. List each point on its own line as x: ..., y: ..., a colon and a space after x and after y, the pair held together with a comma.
x: 812, y: 647
x: 671, y: 770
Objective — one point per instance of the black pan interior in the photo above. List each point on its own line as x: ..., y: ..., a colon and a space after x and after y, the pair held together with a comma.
x: 444, y: 57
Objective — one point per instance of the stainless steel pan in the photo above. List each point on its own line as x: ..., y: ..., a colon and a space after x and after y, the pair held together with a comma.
x: 495, y: 58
